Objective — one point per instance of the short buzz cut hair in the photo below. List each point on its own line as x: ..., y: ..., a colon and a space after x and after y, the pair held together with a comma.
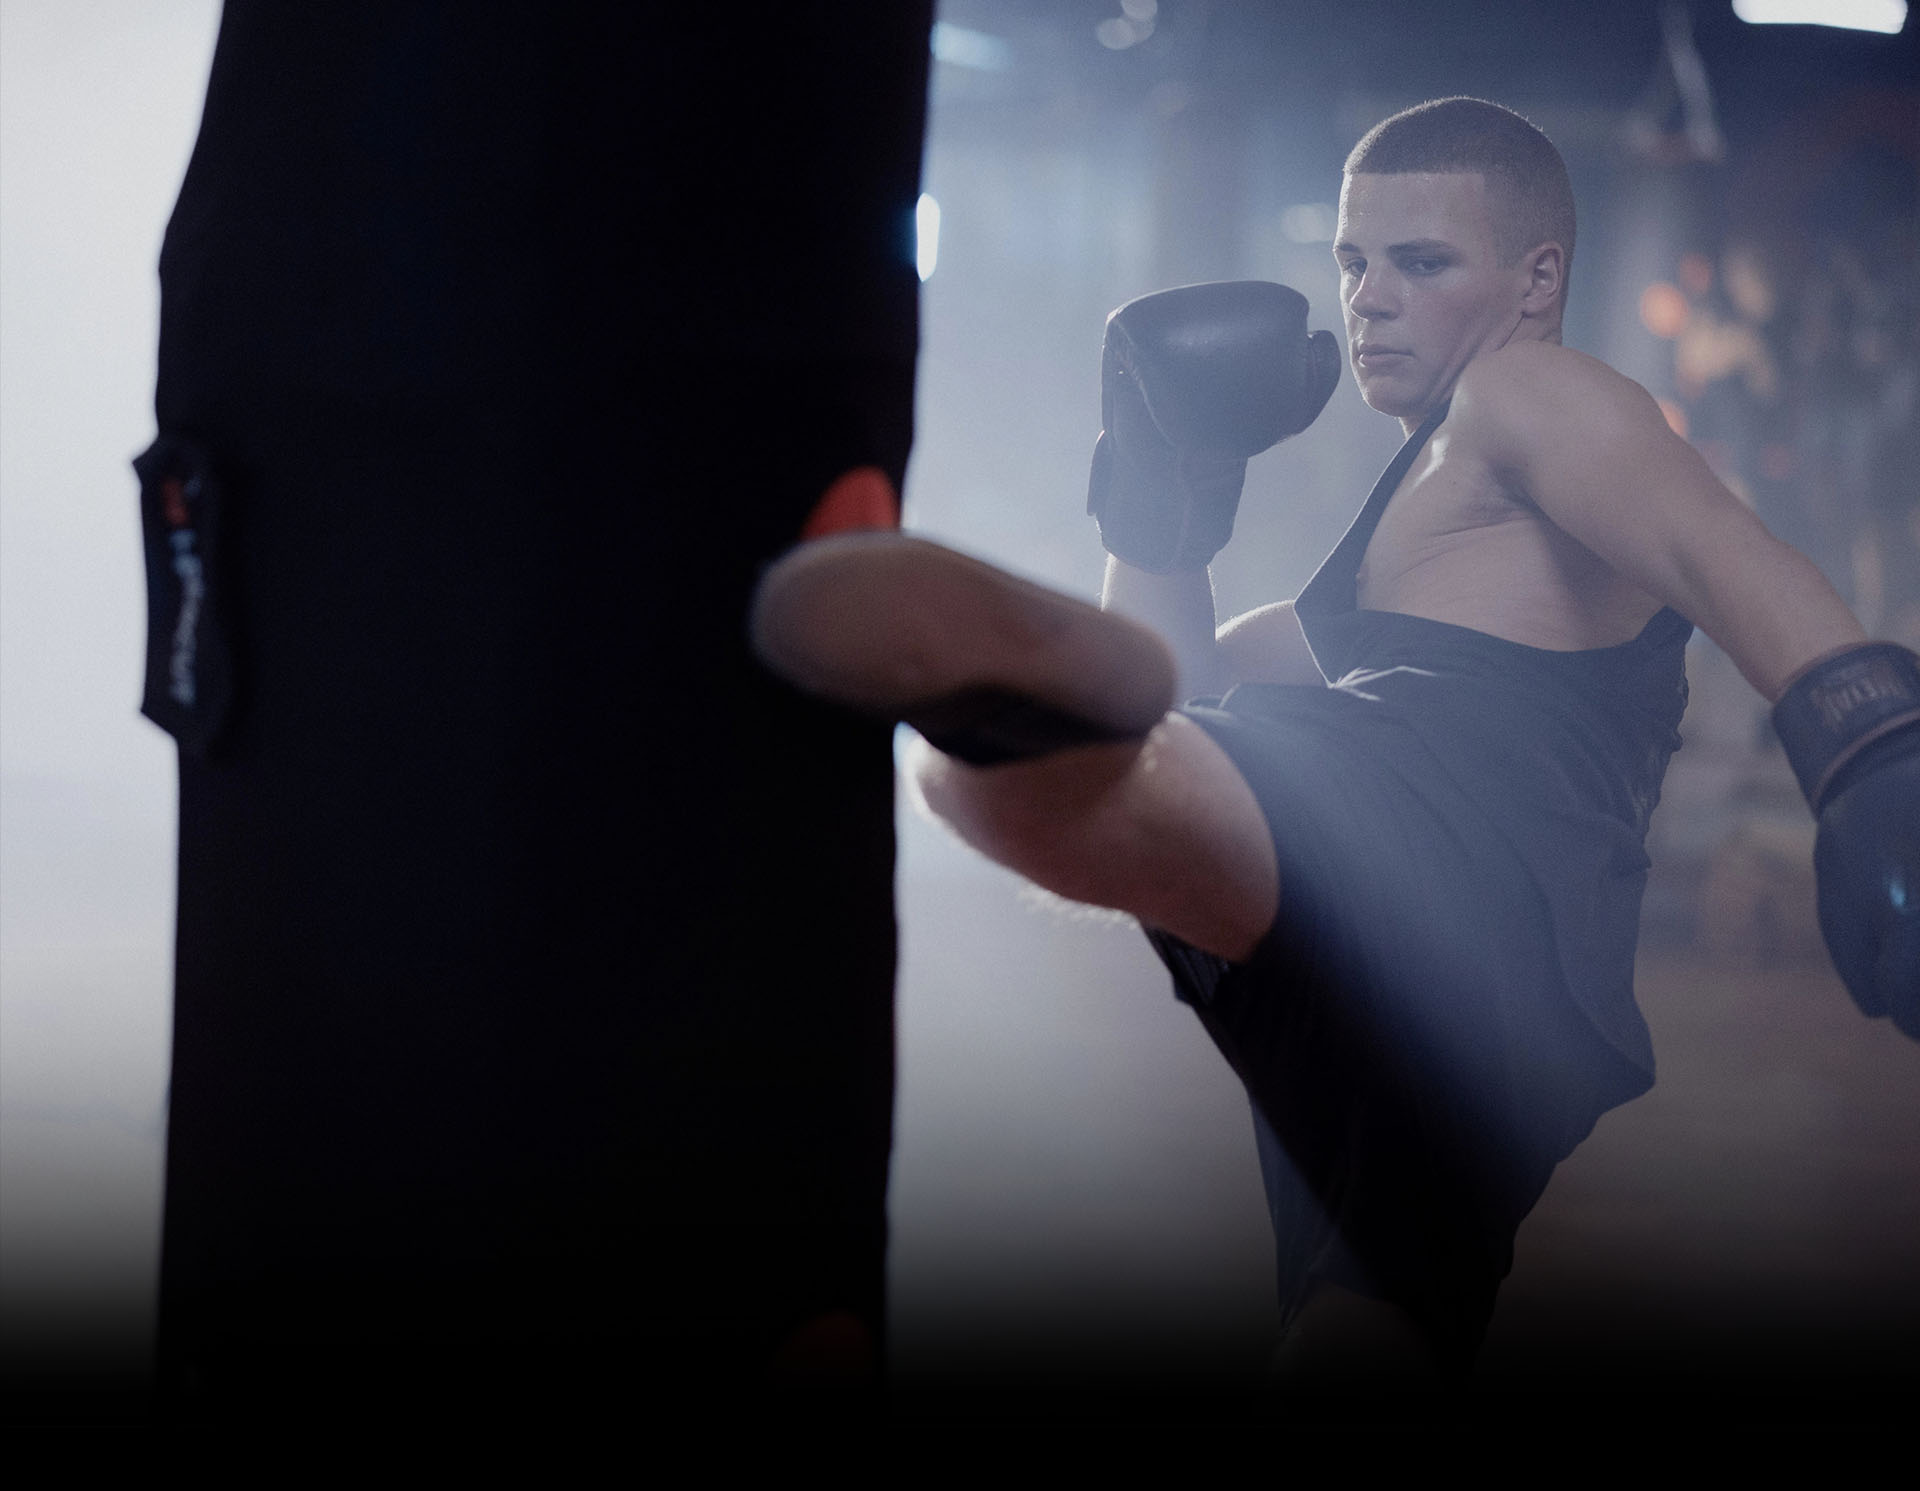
x: 1533, y: 200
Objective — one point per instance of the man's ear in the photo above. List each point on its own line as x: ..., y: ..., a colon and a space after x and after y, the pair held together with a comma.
x: 1546, y: 267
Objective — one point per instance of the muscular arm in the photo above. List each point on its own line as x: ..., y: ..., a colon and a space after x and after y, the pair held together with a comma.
x: 1591, y: 449
x: 1264, y: 645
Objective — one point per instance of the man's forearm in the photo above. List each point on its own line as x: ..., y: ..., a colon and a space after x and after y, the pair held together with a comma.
x: 1180, y: 608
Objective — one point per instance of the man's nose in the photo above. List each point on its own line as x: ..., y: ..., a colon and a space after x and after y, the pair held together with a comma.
x: 1370, y: 298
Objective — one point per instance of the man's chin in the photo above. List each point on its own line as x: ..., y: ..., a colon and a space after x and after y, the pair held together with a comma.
x: 1396, y: 402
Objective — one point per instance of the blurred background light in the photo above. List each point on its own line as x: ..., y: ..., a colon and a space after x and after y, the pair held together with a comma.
x: 1695, y: 273
x: 1851, y: 15
x: 1663, y: 310
x: 926, y: 236
x: 1308, y: 222
x: 963, y: 47
x: 1134, y: 25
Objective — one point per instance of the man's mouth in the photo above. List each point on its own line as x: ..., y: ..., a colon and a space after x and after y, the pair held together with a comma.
x: 1372, y: 357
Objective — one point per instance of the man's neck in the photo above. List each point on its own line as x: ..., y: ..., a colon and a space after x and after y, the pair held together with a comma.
x: 1411, y: 422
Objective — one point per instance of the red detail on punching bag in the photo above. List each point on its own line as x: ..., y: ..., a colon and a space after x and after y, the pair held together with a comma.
x: 173, y: 502
x: 860, y: 498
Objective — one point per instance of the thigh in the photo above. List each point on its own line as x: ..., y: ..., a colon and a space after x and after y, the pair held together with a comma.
x: 1166, y: 829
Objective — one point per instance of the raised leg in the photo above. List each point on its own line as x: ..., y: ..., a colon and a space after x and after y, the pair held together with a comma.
x: 1056, y: 756
x: 1061, y: 762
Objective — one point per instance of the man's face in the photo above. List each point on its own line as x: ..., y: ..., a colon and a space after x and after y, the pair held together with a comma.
x: 1422, y: 285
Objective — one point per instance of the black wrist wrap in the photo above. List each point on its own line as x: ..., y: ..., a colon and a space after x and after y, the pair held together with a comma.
x: 1174, y: 516
x: 1838, y: 707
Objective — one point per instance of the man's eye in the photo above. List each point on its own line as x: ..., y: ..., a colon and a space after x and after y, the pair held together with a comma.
x: 1354, y: 267
x: 1424, y: 266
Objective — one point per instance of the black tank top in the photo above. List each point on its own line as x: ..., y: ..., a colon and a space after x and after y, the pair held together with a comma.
x: 1565, y: 751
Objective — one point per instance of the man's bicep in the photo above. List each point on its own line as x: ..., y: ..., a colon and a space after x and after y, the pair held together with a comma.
x: 1615, y: 477
x: 1267, y: 646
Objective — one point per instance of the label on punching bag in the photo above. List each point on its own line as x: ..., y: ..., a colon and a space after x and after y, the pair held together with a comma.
x: 189, y: 682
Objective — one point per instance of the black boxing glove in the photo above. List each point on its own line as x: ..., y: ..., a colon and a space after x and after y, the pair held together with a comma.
x: 1194, y: 382
x: 1851, y: 726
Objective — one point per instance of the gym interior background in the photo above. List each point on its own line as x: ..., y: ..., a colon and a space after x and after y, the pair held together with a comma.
x: 1074, y: 1186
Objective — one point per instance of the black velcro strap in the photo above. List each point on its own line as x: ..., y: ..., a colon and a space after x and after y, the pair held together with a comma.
x: 189, y: 682
x: 992, y: 726
x: 1837, y: 707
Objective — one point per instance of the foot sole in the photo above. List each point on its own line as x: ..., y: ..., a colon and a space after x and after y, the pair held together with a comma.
x: 988, y: 666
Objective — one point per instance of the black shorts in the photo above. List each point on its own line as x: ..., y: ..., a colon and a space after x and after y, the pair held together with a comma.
x: 1416, y: 1064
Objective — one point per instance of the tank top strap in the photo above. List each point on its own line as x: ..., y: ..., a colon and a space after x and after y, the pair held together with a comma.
x: 1333, y: 587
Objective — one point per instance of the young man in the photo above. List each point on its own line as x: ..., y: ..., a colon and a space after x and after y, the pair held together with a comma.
x: 1397, y: 868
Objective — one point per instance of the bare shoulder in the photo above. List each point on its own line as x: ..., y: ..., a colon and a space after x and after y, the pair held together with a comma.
x: 1527, y: 400
x: 1533, y: 370
x: 1591, y: 452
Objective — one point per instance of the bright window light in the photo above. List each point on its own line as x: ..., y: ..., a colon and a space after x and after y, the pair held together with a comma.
x: 1851, y: 15
x: 926, y: 236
